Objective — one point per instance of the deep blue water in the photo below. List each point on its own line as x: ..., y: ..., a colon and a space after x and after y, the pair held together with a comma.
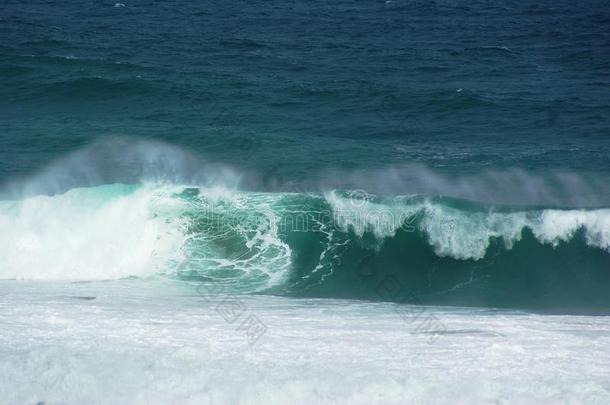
x: 454, y: 85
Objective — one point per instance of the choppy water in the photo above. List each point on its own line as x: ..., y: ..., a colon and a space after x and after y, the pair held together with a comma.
x: 455, y: 85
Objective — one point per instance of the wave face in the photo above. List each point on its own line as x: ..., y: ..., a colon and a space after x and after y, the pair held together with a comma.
x: 419, y: 249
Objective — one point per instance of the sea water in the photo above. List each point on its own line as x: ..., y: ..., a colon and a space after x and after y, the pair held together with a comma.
x: 304, y: 202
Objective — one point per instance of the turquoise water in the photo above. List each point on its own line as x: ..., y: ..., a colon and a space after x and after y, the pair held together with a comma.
x: 458, y: 151
x: 407, y: 249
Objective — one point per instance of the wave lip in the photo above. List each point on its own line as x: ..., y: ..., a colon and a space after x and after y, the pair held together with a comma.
x: 463, y: 230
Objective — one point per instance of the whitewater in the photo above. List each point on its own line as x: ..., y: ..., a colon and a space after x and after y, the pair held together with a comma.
x: 160, y: 342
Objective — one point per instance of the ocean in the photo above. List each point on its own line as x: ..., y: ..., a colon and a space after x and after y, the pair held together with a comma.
x: 304, y: 202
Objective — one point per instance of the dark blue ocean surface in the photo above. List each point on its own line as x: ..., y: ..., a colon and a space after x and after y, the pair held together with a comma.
x: 453, y: 85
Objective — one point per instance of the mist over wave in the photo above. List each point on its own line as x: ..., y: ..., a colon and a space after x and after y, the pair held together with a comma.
x: 129, y: 160
x: 508, y: 187
x: 121, y: 159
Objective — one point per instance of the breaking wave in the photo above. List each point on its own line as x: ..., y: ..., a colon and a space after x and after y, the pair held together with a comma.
x: 338, y: 243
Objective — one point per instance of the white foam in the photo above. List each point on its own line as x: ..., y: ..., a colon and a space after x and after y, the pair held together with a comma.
x: 105, y: 232
x: 240, y: 244
x: 467, y: 235
x: 461, y: 235
x: 363, y: 215
x: 139, y: 342
x: 560, y: 226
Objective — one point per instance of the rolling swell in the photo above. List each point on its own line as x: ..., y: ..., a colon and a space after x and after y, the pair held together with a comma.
x: 131, y: 208
x: 418, y: 249
x: 451, y: 252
